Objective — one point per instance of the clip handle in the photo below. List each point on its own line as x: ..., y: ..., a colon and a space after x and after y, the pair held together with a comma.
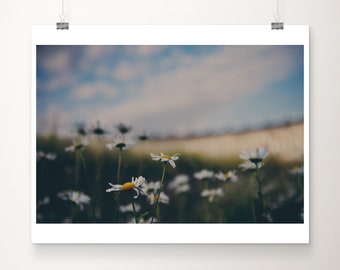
x: 62, y: 25
x: 277, y: 25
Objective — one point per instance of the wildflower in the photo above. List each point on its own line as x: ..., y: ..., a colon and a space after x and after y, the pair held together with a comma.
x: 296, y: 170
x: 143, y: 137
x: 255, y: 157
x: 123, y: 128
x: 98, y: 130
x: 79, y: 198
x: 78, y: 144
x: 212, y: 193
x: 180, y: 184
x: 230, y: 175
x: 302, y: 215
x: 153, y: 186
x: 165, y: 158
x: 129, y: 208
x: 163, y: 198
x: 137, y: 184
x: 81, y: 130
x: 120, y: 142
x: 44, y: 201
x: 142, y: 220
x: 249, y: 166
x: 49, y: 156
x: 204, y: 174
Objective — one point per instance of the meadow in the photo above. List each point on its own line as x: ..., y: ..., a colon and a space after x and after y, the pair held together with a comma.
x: 94, y: 179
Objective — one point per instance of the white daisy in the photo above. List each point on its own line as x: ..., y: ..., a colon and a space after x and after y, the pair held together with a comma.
x: 137, y: 184
x: 212, y: 193
x: 129, y: 208
x: 43, y: 155
x: 227, y: 176
x: 153, y: 186
x: 163, y: 198
x: 257, y: 156
x: 180, y: 184
x: 77, y: 144
x: 79, y: 198
x: 142, y: 220
x: 249, y: 166
x: 296, y: 170
x: 120, y: 142
x: 165, y: 158
x: 204, y: 174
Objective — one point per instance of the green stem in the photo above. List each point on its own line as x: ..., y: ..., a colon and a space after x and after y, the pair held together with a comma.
x: 159, y: 193
x: 260, y: 195
x: 119, y: 164
x: 251, y: 199
x: 77, y: 169
x: 82, y: 160
x: 134, y: 209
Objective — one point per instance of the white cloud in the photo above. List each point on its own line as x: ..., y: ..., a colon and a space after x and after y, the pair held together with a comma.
x: 94, y: 89
x: 180, y: 93
x: 56, y: 62
x: 199, y: 84
x: 144, y: 50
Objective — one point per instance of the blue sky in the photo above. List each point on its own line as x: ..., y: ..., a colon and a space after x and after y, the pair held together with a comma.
x: 164, y: 90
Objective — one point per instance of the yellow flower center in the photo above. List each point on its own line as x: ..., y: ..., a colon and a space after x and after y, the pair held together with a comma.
x: 166, y: 156
x: 128, y: 186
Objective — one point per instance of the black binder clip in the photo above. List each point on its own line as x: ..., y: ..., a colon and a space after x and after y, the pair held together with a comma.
x: 62, y: 25
x: 277, y: 25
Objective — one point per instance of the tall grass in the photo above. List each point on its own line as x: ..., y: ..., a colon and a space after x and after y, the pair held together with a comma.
x: 282, y: 191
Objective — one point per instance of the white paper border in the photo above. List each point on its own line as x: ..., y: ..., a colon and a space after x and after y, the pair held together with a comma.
x: 171, y: 35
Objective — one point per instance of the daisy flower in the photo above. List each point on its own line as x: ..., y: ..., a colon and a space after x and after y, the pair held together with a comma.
x: 163, y: 198
x: 79, y: 198
x: 142, y: 220
x: 77, y: 144
x: 230, y: 175
x: 212, y: 193
x: 123, y: 128
x: 81, y: 129
x: 120, y: 142
x: 129, y: 208
x: 143, y: 137
x: 204, y: 174
x: 180, y: 184
x: 43, y: 155
x: 153, y: 186
x: 255, y: 157
x: 136, y: 184
x: 296, y: 170
x: 165, y: 158
x: 98, y: 130
x: 249, y: 166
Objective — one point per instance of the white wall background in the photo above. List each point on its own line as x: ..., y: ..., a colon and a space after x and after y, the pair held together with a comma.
x: 16, y: 251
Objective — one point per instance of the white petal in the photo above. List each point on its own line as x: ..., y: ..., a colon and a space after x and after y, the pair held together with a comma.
x: 175, y: 157
x: 110, y: 146
x: 172, y: 163
x: 137, y: 192
x: 245, y: 154
x: 114, y: 188
x: 155, y: 157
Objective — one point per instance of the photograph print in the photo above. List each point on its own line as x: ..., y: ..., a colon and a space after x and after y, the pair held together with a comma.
x: 170, y: 134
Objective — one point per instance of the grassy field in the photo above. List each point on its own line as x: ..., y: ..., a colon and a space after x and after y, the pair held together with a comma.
x: 285, y: 143
x: 90, y: 170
